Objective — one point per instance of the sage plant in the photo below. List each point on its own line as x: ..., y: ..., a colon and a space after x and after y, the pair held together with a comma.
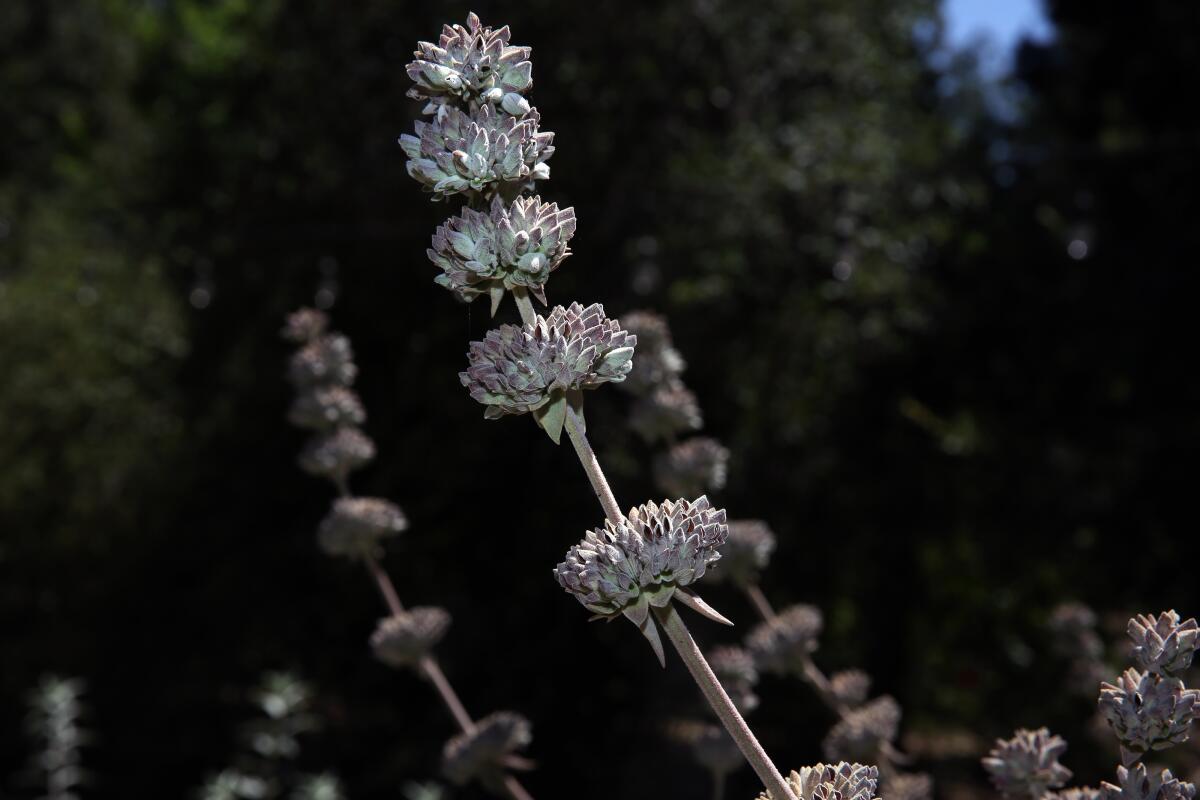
x: 323, y: 371
x: 1149, y: 709
x: 783, y: 643
x: 55, y: 709
x: 483, y: 143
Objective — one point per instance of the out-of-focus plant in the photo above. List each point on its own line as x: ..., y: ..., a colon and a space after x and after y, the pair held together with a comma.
x: 55, y: 710
x: 783, y: 642
x: 264, y: 767
x: 323, y: 371
x: 1148, y: 709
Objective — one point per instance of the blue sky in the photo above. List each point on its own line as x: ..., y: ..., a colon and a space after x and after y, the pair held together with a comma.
x: 1003, y: 22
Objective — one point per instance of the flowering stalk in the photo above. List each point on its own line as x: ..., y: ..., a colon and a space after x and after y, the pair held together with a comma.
x: 322, y: 372
x: 483, y: 143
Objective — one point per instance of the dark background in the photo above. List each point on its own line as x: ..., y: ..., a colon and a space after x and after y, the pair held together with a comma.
x: 956, y: 429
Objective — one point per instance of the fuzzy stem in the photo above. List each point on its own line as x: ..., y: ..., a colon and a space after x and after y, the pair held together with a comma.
x: 429, y: 667
x: 718, y: 785
x: 591, y: 465
x: 524, y: 305
x: 702, y: 673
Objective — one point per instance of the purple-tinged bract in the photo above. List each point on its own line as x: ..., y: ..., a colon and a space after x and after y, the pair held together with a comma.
x: 355, y: 526
x: 840, y: 781
x: 1164, y: 645
x: 479, y: 754
x: 1148, y: 711
x: 473, y: 64
x: 1027, y: 764
x: 402, y: 640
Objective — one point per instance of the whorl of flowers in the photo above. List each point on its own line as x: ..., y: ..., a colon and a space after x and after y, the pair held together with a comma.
x: 1165, y: 645
x: 481, y: 753
x: 850, y: 686
x: 475, y: 152
x: 860, y: 732
x: 402, y: 640
x: 658, y: 548
x: 710, y: 745
x: 666, y: 412
x: 510, y: 246
x: 1148, y: 711
x: 746, y: 552
x: 325, y: 360
x: 335, y: 455
x: 697, y: 465
x: 840, y: 781
x: 782, y: 645
x: 1140, y: 784
x: 541, y: 367
x: 326, y: 407
x: 659, y: 363
x: 738, y: 674
x: 910, y: 786
x: 473, y: 64
x: 304, y: 325
x: 1027, y: 764
x: 355, y: 526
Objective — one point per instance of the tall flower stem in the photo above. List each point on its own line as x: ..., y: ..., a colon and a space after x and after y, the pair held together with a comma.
x: 725, y: 710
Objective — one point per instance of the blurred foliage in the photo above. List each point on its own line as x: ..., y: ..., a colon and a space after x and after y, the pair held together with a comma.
x: 871, y: 261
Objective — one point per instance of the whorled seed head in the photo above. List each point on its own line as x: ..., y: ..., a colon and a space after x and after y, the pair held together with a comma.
x: 746, y: 553
x: 1148, y: 711
x: 304, y: 325
x: 518, y: 369
x: 460, y: 152
x: 1140, y: 784
x: 850, y: 686
x: 325, y: 361
x: 656, y: 549
x: 861, y: 732
x: 335, y: 455
x: 1027, y: 764
x: 403, y: 640
x: 782, y: 645
x: 840, y: 781
x: 1164, y: 645
x: 909, y: 786
x: 666, y: 412
x: 658, y: 362
x: 511, y: 246
x: 697, y: 465
x: 473, y: 64
x: 738, y: 674
x: 480, y: 753
x: 355, y: 526
x: 326, y: 407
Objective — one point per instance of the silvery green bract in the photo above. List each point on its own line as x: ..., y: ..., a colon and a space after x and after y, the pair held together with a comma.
x: 1164, y: 645
x: 840, y: 781
x: 511, y: 246
x: 460, y: 152
x: 474, y: 65
x: 481, y: 753
x: 644, y: 560
x: 1147, y: 711
x: 1139, y: 783
x: 782, y: 644
x: 355, y: 526
x: 402, y: 640
x: 541, y: 368
x: 1027, y: 764
x: 861, y: 731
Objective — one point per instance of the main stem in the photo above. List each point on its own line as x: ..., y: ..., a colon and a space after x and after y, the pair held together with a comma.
x: 726, y: 711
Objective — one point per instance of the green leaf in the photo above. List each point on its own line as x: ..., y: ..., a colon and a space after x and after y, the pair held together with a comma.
x: 551, y: 416
x: 575, y: 401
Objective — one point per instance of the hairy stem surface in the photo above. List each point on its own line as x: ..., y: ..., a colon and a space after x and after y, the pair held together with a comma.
x: 725, y: 710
